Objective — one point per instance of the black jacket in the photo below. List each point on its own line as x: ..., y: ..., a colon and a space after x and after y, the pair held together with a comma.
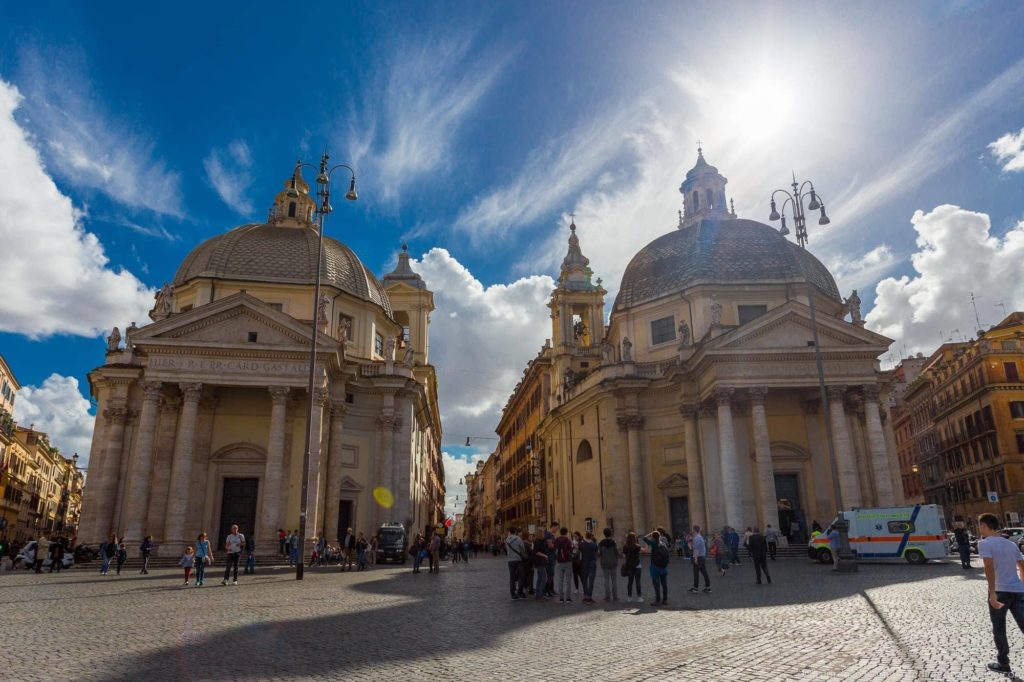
x: 758, y: 546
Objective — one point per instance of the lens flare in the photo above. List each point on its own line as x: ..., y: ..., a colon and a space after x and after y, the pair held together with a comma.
x: 383, y: 497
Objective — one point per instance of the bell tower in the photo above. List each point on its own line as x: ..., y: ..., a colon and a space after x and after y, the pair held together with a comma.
x: 411, y: 304
x: 293, y: 207
x: 703, y: 193
x: 577, y: 303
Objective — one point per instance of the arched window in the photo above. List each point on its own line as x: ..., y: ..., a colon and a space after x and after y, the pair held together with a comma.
x: 696, y: 201
x: 291, y: 209
x: 711, y: 198
x: 583, y: 452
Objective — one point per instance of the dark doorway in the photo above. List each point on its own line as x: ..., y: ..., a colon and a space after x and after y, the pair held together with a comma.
x: 237, y: 506
x: 679, y: 514
x: 344, y: 517
x: 792, y: 523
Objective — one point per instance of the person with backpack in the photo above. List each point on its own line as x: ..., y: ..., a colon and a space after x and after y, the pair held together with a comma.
x: 516, y: 556
x: 608, y: 550
x: 659, y: 566
x: 588, y: 566
x: 563, y: 566
x: 146, y: 550
x: 631, y: 567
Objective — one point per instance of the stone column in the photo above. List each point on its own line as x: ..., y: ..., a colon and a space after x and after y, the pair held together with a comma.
x: 730, y: 463
x: 385, y: 462
x: 768, y: 506
x: 876, y: 444
x: 338, y: 410
x: 849, y: 483
x: 117, y: 417
x: 181, y: 465
x: 708, y: 439
x: 313, y: 517
x: 273, y: 477
x: 162, y: 472
x: 141, y: 464
x: 631, y: 424
x: 694, y: 471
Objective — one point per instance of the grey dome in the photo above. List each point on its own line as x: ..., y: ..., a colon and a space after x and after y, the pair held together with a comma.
x: 722, y: 251
x: 269, y: 253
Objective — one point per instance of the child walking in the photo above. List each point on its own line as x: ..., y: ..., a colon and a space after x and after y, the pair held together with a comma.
x: 187, y: 561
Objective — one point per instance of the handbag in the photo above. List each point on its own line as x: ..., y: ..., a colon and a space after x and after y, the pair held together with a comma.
x: 624, y: 570
x: 207, y: 560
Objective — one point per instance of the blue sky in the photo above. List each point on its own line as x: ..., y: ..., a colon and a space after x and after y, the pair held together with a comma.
x: 131, y: 133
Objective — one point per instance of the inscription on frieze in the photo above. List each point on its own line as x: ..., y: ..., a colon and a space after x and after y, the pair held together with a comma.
x: 229, y: 365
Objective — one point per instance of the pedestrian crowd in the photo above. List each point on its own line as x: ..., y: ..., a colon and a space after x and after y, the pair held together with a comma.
x: 555, y: 563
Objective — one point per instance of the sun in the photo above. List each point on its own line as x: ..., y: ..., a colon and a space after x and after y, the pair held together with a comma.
x: 760, y: 108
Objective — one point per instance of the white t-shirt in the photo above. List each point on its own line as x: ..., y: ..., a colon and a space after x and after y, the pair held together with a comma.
x: 234, y: 543
x: 1005, y: 555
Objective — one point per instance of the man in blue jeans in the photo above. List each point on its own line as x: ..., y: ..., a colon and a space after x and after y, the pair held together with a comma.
x: 1004, y: 571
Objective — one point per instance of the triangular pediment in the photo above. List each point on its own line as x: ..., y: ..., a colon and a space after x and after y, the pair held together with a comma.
x: 789, y: 327
x: 349, y: 484
x: 674, y: 481
x: 232, y: 320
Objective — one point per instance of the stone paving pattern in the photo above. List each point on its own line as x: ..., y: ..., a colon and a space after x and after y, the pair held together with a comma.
x: 888, y: 622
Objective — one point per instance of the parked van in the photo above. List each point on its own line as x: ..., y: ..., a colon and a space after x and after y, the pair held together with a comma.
x: 393, y: 543
x: 916, y: 533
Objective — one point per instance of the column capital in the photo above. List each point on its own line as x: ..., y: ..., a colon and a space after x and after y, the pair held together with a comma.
x: 151, y: 390
x: 191, y: 391
x: 706, y: 410
x: 388, y: 422
x: 279, y: 394
x: 339, y: 408
x: 688, y: 410
x: 871, y: 392
x: 117, y: 414
x: 836, y: 394
x: 757, y: 394
x: 630, y: 421
x: 723, y: 396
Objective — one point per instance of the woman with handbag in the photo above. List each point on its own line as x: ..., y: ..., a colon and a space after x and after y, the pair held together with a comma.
x: 204, y: 557
x: 631, y: 567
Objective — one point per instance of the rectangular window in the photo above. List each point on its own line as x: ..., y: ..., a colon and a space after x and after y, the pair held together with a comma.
x: 1017, y: 409
x: 663, y: 330
x: 1020, y: 443
x: 901, y: 527
x: 378, y: 344
x: 748, y: 313
x: 405, y: 334
x: 1011, y: 372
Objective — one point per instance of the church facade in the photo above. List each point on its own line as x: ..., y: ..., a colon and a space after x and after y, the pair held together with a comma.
x: 201, y: 414
x: 699, y: 402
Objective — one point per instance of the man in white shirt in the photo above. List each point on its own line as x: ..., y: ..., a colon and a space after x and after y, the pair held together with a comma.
x: 233, y: 545
x: 771, y: 536
x: 516, y: 558
x: 1004, y: 571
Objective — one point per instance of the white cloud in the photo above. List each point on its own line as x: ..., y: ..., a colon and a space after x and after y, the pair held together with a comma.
x: 480, y: 340
x: 58, y: 409
x: 56, y: 275
x: 417, y: 101
x: 455, y: 468
x: 229, y: 172
x: 957, y: 254
x: 859, y: 273
x: 1009, y: 150
x: 87, y: 145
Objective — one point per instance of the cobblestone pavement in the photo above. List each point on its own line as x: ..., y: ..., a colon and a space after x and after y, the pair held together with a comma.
x: 887, y: 622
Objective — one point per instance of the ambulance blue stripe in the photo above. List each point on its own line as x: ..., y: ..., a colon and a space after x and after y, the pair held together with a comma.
x: 906, y: 536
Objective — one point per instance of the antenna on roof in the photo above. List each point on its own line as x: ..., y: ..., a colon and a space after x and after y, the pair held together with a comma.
x: 975, y: 306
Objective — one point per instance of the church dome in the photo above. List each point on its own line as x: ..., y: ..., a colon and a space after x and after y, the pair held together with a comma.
x: 286, y: 255
x: 731, y: 250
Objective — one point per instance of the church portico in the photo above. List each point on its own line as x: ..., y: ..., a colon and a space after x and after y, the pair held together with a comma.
x: 203, y: 413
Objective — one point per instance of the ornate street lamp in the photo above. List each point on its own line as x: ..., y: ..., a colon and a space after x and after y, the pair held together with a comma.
x: 323, y: 208
x: 794, y: 200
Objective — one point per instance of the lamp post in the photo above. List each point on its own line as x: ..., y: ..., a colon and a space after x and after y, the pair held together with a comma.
x: 323, y: 208
x: 794, y: 199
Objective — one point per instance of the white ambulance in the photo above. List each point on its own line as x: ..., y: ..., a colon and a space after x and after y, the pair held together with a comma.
x: 916, y: 533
